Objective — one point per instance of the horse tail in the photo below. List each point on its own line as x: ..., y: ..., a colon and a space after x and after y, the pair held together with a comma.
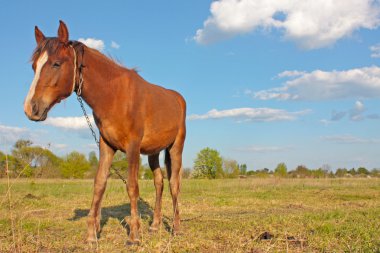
x: 168, y: 163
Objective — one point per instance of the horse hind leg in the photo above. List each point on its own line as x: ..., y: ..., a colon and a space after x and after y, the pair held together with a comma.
x: 173, y: 160
x: 154, y: 165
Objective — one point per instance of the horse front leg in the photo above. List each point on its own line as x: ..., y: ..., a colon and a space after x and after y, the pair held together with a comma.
x: 100, y: 182
x: 133, y: 155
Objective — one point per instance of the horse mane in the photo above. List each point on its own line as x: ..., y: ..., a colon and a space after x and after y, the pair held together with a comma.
x: 51, y: 45
x: 118, y: 62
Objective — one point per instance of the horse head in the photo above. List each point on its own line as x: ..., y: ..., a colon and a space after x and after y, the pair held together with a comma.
x: 54, y: 66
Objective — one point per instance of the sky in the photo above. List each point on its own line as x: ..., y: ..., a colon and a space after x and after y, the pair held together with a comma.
x: 265, y: 81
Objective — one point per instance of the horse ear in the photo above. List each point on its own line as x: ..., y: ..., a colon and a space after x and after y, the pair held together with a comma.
x: 63, y: 33
x: 39, y: 35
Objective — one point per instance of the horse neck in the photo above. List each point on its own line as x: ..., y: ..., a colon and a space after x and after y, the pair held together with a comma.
x: 98, y: 73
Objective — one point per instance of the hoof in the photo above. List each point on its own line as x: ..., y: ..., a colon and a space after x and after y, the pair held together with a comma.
x: 134, y: 242
x: 91, y: 239
x: 177, y: 232
x: 153, y: 229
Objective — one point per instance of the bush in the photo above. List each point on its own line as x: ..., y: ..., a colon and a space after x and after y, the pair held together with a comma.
x: 74, y: 165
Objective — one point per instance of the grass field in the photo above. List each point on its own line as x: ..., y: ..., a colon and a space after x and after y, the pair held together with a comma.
x: 237, y: 215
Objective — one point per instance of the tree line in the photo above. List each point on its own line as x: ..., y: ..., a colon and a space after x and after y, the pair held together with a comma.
x: 209, y: 164
x: 32, y: 161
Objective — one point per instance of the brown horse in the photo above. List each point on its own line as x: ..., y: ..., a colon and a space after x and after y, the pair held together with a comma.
x: 132, y: 115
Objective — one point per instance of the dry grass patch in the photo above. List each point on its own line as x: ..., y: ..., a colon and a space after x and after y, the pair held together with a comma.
x: 239, y: 215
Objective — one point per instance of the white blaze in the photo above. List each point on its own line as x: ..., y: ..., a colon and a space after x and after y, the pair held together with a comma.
x: 40, y: 63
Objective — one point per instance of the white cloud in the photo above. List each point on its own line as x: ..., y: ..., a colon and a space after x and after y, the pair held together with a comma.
x: 325, y: 122
x: 59, y: 146
x: 250, y: 114
x: 291, y: 73
x: 93, y: 43
x: 74, y: 123
x: 324, y: 85
x: 275, y: 93
x: 115, y: 45
x: 348, y: 139
x: 373, y: 116
x: 10, y: 134
x: 310, y: 23
x: 375, y: 49
x: 92, y: 146
x: 356, y: 113
x: 337, y: 115
x: 11, y: 129
x: 264, y: 149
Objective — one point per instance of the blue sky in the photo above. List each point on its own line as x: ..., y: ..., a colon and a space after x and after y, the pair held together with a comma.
x: 265, y: 81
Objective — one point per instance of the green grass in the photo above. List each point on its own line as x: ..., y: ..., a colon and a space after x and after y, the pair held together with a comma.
x: 301, y: 215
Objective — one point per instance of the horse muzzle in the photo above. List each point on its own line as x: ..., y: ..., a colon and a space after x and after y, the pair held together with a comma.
x: 36, y: 111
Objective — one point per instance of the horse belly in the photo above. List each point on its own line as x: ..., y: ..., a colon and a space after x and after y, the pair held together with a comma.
x: 155, y: 142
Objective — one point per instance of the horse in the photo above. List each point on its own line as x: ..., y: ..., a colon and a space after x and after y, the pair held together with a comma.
x: 132, y: 115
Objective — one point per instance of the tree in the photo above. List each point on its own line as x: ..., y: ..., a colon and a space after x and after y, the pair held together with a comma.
x: 319, y: 173
x: 146, y: 172
x: 26, y: 158
x: 46, y: 163
x: 3, y: 164
x: 243, y: 169
x: 260, y: 173
x: 24, y: 154
x: 352, y: 171
x: 186, y: 173
x: 302, y: 171
x: 22, y: 143
x: 362, y: 170
x: 74, y: 165
x: 326, y: 168
x: 120, y: 163
x: 281, y: 170
x: 230, y: 168
x: 34, y: 160
x: 375, y: 172
x: 341, y: 172
x: 208, y: 164
x: 93, y: 159
x: 251, y: 173
x: 4, y: 159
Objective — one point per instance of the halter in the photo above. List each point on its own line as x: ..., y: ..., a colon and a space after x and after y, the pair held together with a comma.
x: 79, y: 90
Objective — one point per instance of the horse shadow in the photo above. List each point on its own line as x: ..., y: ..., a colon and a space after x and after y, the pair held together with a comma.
x: 120, y: 212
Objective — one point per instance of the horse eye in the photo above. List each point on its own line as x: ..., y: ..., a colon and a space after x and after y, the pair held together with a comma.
x: 56, y: 64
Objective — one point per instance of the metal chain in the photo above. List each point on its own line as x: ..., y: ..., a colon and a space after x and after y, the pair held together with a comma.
x: 119, y: 175
x: 80, y: 100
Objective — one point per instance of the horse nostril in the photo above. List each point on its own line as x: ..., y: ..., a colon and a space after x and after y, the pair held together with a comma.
x: 34, y: 108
